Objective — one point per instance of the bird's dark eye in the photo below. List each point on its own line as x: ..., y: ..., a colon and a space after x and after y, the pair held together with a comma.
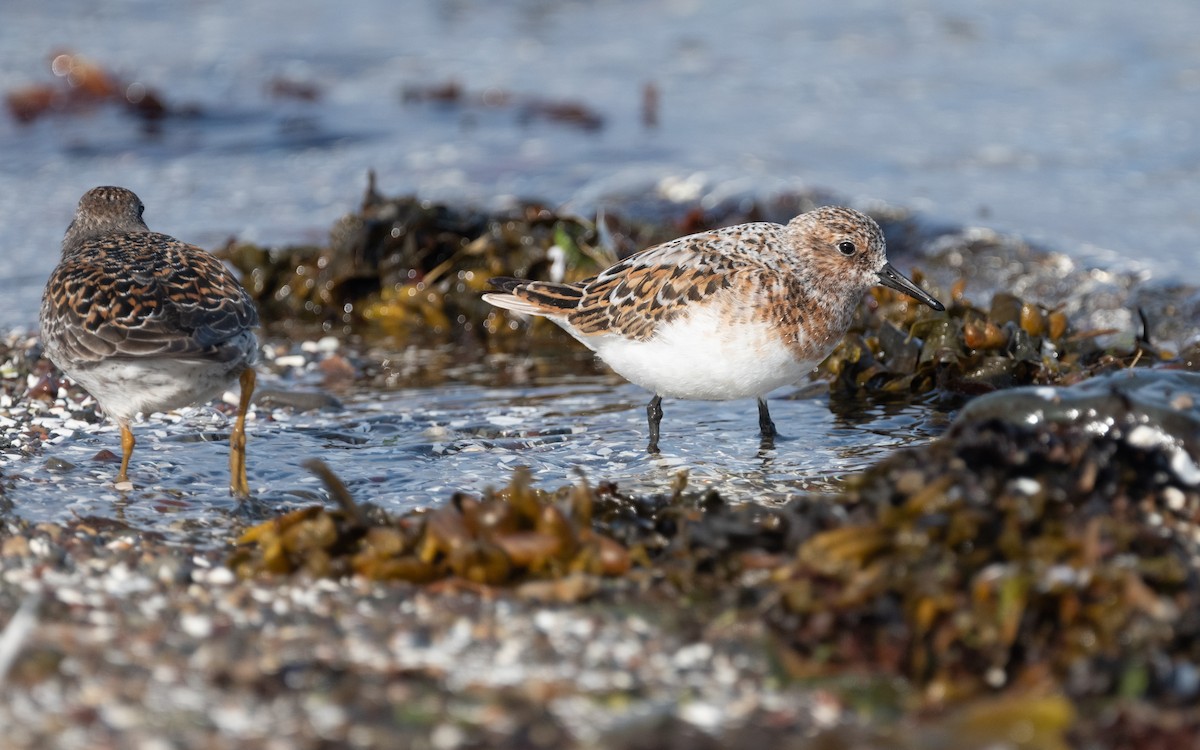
x: 142, y: 210
x: 846, y: 247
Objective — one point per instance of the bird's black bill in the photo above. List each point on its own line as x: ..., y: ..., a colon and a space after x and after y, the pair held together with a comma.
x: 889, y: 276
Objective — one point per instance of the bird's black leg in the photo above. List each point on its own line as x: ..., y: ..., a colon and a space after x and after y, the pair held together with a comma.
x: 765, y: 425
x: 654, y: 417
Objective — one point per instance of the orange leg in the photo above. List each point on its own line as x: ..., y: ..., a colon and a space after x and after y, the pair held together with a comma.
x: 238, y: 485
x: 127, y: 443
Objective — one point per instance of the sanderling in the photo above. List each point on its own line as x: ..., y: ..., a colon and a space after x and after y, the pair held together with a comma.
x: 728, y: 314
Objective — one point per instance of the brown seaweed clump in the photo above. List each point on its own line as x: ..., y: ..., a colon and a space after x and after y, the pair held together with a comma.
x: 520, y: 533
x: 896, y: 350
x: 566, y: 112
x: 82, y: 86
x: 514, y: 534
x: 407, y: 267
x: 1011, y: 553
x: 415, y: 270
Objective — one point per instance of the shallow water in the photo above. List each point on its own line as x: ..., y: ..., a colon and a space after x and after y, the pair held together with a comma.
x: 410, y: 448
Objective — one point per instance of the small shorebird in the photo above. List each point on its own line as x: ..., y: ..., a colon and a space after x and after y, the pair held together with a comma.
x: 147, y: 323
x: 732, y: 313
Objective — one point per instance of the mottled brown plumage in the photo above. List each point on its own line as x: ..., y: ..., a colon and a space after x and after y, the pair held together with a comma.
x: 732, y: 313
x: 145, y: 322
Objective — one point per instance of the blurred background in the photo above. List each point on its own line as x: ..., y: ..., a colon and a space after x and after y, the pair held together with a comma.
x: 1073, y: 124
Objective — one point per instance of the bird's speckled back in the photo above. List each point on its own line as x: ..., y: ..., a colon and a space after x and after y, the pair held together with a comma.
x: 121, y: 290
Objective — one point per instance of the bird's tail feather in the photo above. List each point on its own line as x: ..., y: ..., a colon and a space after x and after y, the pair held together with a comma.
x: 535, y: 297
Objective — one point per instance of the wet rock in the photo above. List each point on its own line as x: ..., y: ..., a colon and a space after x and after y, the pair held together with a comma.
x: 1142, y: 408
x: 58, y: 464
x: 273, y: 398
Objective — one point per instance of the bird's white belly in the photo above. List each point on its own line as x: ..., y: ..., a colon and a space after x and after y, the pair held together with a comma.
x: 703, y: 356
x: 124, y: 388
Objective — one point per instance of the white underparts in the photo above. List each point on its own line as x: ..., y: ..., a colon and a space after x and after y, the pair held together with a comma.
x: 126, y: 387
x: 704, y: 356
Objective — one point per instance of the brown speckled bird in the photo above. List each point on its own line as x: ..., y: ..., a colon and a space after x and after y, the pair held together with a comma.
x: 732, y: 313
x: 147, y: 323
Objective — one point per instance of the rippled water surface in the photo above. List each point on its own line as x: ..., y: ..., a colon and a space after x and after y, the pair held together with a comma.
x: 408, y: 448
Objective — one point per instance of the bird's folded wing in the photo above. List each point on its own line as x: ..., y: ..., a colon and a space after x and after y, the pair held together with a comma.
x: 145, y: 296
x: 652, y: 287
